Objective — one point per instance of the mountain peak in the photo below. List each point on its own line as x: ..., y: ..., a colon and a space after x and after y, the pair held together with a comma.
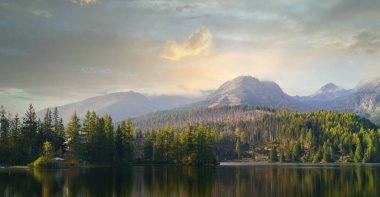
x: 329, y: 87
x: 251, y: 91
x: 329, y: 90
x: 245, y: 78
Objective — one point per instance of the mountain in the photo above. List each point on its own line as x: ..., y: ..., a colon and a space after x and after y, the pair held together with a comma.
x: 247, y: 90
x: 122, y: 105
x: 328, y: 97
x: 118, y: 105
x: 328, y: 92
x: 363, y: 100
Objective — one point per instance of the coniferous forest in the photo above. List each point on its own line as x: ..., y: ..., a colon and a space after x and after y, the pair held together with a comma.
x: 194, y: 137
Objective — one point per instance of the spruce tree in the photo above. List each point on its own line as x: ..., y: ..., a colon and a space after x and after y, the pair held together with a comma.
x: 273, y: 155
x: 75, y: 143
x: 58, y: 131
x: 127, y: 139
x: 28, y: 138
x: 148, y: 146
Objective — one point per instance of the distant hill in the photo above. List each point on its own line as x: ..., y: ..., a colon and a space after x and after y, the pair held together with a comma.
x: 121, y: 105
x: 184, y: 117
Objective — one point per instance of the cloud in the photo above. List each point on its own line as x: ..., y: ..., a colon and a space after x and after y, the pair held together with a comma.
x: 197, y: 43
x: 26, y: 8
x: 12, y: 91
x: 84, y: 2
x: 367, y: 42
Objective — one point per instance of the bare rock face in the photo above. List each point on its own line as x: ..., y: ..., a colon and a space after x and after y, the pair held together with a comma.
x: 365, y: 100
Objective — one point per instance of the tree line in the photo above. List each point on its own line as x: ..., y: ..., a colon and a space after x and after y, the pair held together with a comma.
x: 21, y: 139
x: 279, y: 136
x: 320, y: 136
x: 247, y: 132
x: 96, y: 139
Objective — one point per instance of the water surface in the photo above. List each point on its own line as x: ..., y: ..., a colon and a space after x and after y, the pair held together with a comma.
x: 228, y: 179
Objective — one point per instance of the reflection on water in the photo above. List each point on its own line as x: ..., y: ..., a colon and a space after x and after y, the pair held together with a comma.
x: 230, y: 180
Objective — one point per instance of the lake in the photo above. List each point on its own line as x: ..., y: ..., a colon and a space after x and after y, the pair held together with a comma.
x: 228, y: 179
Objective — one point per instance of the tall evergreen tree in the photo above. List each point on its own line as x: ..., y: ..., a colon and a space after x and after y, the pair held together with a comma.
x: 58, y: 131
x: 127, y: 138
x: 237, y: 142
x: 148, y: 147
x: 4, y: 134
x: 48, y: 127
x: 28, y: 138
x: 99, y: 151
x: 358, y: 151
x: 110, y: 136
x: 75, y: 143
x: 118, y: 149
x: 273, y: 155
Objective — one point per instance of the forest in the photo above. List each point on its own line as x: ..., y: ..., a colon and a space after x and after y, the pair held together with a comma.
x: 193, y: 137
x: 98, y: 140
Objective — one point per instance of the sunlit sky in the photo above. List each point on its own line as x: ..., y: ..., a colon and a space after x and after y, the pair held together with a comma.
x: 54, y: 52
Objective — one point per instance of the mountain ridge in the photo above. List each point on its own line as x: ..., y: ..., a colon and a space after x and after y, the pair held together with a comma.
x: 121, y: 105
x: 364, y: 100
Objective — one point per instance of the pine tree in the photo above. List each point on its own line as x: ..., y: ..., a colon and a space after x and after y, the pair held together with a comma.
x: 176, y: 146
x: 110, y: 135
x: 99, y: 151
x: 58, y: 131
x: 358, y: 151
x: 148, y: 146
x: 127, y: 138
x: 89, y: 125
x: 48, y: 126
x: 237, y: 142
x: 75, y: 145
x: 167, y: 148
x: 118, y: 149
x: 273, y: 155
x: 282, y: 155
x: 4, y: 134
x: 4, y: 127
x: 28, y: 138
x: 295, y: 150
x: 327, y: 153
x: 159, y: 154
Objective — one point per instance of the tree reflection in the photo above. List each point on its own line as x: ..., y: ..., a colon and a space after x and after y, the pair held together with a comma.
x: 273, y: 180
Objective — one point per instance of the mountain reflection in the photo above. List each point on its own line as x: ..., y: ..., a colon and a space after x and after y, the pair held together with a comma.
x: 272, y: 180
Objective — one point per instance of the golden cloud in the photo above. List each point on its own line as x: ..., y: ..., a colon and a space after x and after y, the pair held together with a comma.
x: 197, y: 43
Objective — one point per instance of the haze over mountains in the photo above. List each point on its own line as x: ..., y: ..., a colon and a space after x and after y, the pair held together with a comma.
x: 363, y: 100
x: 122, y: 105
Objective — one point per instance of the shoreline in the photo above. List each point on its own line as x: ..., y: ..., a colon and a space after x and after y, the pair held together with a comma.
x: 224, y: 163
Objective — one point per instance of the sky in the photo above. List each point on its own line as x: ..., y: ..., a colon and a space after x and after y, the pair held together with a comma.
x: 53, y: 52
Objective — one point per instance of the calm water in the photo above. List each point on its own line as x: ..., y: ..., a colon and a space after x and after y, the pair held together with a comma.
x: 229, y: 179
